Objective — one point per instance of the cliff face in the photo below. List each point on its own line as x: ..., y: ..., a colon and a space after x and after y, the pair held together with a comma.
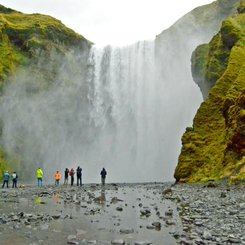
x: 214, y: 148
x: 26, y: 40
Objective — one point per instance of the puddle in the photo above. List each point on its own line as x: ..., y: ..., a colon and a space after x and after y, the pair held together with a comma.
x: 90, y: 213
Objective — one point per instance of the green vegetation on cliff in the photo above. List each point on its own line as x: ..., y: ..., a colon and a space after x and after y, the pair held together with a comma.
x: 24, y: 36
x: 214, y: 148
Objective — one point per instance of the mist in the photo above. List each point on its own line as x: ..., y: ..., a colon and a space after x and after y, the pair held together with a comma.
x: 122, y: 108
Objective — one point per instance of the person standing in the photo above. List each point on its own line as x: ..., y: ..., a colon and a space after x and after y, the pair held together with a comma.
x: 39, y: 174
x: 6, y: 179
x: 14, y: 178
x: 66, y: 176
x: 103, y: 174
x: 79, y: 176
x: 72, y: 176
x: 57, y: 177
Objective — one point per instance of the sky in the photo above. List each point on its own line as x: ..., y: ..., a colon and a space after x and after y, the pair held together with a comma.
x: 115, y: 22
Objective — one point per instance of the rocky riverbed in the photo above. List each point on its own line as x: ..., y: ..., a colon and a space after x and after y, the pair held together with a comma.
x: 137, y: 214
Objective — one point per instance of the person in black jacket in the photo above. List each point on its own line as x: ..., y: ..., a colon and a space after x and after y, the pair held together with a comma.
x: 79, y: 176
x: 103, y: 174
x: 14, y: 178
x: 66, y: 176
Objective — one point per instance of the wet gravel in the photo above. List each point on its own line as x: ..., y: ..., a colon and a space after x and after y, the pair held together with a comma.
x: 137, y: 214
x: 210, y: 214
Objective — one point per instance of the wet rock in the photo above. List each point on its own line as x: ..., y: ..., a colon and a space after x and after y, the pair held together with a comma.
x: 73, y: 242
x: 211, y: 185
x: 56, y: 216
x: 169, y: 212
x: 167, y: 191
x: 126, y: 231
x: 118, y: 242
x: 150, y: 227
x: 145, y: 212
x: 157, y: 224
x: 223, y: 195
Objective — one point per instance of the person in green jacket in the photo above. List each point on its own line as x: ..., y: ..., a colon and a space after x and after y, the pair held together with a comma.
x: 39, y: 177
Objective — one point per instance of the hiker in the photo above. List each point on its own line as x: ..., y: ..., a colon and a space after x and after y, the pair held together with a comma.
x: 14, y: 178
x: 79, y: 176
x: 39, y: 174
x: 72, y: 176
x: 103, y: 174
x: 6, y: 179
x: 66, y: 176
x: 57, y: 177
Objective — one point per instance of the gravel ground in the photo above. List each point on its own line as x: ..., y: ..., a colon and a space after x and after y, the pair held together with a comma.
x: 132, y: 214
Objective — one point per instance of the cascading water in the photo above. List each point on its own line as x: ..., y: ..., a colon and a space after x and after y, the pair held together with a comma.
x: 124, y: 109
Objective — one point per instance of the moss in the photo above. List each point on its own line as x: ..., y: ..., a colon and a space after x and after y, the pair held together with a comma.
x: 216, y: 145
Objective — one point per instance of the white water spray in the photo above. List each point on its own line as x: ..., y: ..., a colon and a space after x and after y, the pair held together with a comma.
x: 124, y: 110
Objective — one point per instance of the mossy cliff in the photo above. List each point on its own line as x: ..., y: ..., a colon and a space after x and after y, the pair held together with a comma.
x: 214, y: 148
x: 25, y: 39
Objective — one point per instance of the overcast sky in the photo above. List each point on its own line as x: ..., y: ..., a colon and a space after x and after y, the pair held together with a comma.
x: 117, y: 22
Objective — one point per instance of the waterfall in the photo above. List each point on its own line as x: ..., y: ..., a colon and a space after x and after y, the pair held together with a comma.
x: 123, y: 108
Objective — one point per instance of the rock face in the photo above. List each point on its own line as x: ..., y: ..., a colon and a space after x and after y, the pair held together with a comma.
x: 214, y: 147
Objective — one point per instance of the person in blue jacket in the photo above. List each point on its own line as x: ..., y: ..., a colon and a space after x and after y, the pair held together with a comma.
x: 6, y: 179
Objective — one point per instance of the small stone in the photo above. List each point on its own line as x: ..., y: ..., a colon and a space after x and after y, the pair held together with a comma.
x: 118, y: 242
x: 157, y: 224
x: 73, y: 242
x: 127, y: 231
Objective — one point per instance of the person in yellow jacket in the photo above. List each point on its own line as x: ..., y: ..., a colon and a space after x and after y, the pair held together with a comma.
x: 57, y: 177
x: 39, y: 174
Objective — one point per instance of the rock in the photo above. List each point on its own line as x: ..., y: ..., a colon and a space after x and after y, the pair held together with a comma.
x: 157, y: 224
x: 145, y: 212
x: 150, y: 227
x: 118, y: 242
x: 56, y: 216
x: 211, y: 185
x: 169, y: 212
x: 119, y: 209
x: 223, y: 195
x: 72, y: 237
x: 126, y: 231
x: 167, y: 191
x: 73, y: 242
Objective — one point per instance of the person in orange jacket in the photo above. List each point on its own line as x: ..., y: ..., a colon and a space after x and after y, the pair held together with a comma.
x: 57, y: 177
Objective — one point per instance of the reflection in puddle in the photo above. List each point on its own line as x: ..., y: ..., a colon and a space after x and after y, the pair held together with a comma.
x: 56, y: 198
x: 38, y: 200
x: 133, y: 213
